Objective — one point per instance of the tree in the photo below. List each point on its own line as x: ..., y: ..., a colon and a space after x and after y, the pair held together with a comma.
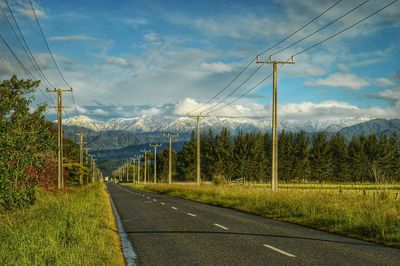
x: 301, y: 152
x: 320, y: 158
x: 339, y: 157
x: 223, y: 162
x: 186, y: 161
x: 26, y: 143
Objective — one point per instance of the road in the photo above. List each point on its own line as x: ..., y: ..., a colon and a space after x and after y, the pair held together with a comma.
x: 166, y: 230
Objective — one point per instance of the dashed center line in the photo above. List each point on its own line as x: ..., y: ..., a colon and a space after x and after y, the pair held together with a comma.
x: 162, y: 203
x: 154, y: 200
x: 221, y: 226
x: 175, y: 208
x: 280, y: 251
x: 191, y: 214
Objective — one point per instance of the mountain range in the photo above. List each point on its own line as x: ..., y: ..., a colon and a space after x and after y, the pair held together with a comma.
x: 153, y: 123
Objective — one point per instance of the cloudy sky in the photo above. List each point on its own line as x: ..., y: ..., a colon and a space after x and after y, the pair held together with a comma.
x: 127, y: 58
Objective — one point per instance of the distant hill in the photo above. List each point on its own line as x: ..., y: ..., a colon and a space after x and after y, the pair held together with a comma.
x: 375, y: 126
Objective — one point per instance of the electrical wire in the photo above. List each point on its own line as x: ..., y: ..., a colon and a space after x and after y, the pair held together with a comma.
x: 27, y: 52
x: 21, y: 64
x: 307, y: 49
x: 52, y: 57
x: 318, y: 30
x: 265, y: 51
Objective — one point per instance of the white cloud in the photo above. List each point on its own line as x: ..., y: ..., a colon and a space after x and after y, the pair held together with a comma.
x: 81, y: 109
x: 343, y: 80
x: 71, y: 38
x: 25, y: 9
x: 383, y: 82
x: 114, y: 60
x: 136, y: 22
x: 151, y: 37
x: 100, y: 112
x: 216, y: 67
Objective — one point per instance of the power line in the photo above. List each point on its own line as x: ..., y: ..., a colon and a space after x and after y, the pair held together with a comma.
x: 305, y: 25
x: 27, y: 50
x: 21, y: 64
x: 318, y: 30
x: 273, y: 46
x: 52, y: 57
x: 349, y: 27
x: 308, y: 48
x: 34, y: 63
x: 47, y: 45
x: 232, y: 92
x: 233, y: 80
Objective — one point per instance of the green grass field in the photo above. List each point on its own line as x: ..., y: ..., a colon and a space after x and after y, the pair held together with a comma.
x: 62, y: 228
x: 372, y: 216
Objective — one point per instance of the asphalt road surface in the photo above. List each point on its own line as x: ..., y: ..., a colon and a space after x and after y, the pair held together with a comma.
x: 165, y: 230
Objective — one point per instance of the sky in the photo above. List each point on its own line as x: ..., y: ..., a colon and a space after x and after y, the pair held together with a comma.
x: 129, y: 58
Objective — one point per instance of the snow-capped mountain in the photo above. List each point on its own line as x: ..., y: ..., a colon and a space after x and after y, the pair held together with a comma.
x: 154, y: 123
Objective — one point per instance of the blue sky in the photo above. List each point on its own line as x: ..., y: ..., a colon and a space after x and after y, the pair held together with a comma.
x: 127, y: 58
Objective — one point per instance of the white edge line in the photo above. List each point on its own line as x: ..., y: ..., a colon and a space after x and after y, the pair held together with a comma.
x: 280, y: 251
x: 221, y: 226
x: 129, y: 253
x: 191, y: 214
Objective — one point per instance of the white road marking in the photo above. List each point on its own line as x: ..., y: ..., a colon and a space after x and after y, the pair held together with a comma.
x: 280, y: 251
x: 162, y: 203
x: 191, y: 214
x: 154, y: 200
x: 175, y: 208
x: 221, y: 226
x: 147, y: 197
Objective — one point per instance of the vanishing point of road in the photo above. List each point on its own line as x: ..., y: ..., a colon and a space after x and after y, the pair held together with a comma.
x: 166, y: 230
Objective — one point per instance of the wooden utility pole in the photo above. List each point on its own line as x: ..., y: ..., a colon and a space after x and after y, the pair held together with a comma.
x: 60, y: 175
x: 145, y: 165
x: 87, y: 162
x: 133, y: 170
x: 138, y: 167
x: 155, y: 160
x: 81, y: 136
x: 198, y: 145
x: 170, y: 137
x: 274, y: 183
x: 93, y: 169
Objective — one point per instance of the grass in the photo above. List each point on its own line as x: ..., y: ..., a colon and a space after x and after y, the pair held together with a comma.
x: 76, y: 227
x: 373, y: 218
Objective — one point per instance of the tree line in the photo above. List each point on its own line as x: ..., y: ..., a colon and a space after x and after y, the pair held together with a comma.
x: 320, y: 157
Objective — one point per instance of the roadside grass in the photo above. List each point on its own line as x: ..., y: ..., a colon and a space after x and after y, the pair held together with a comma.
x: 75, y: 227
x: 373, y: 218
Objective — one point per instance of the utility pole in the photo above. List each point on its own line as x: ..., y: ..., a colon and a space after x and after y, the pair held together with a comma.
x: 198, y: 145
x: 93, y: 170
x: 138, y: 167
x: 155, y: 160
x: 87, y: 162
x: 127, y: 171
x: 60, y: 175
x: 274, y: 183
x: 145, y: 165
x: 170, y: 137
x: 133, y: 170
x: 81, y: 136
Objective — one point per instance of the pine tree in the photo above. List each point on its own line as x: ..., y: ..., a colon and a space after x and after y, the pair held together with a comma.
x: 301, y: 164
x: 320, y: 158
x: 186, y: 161
x: 360, y: 167
x: 223, y: 164
x: 340, y: 158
